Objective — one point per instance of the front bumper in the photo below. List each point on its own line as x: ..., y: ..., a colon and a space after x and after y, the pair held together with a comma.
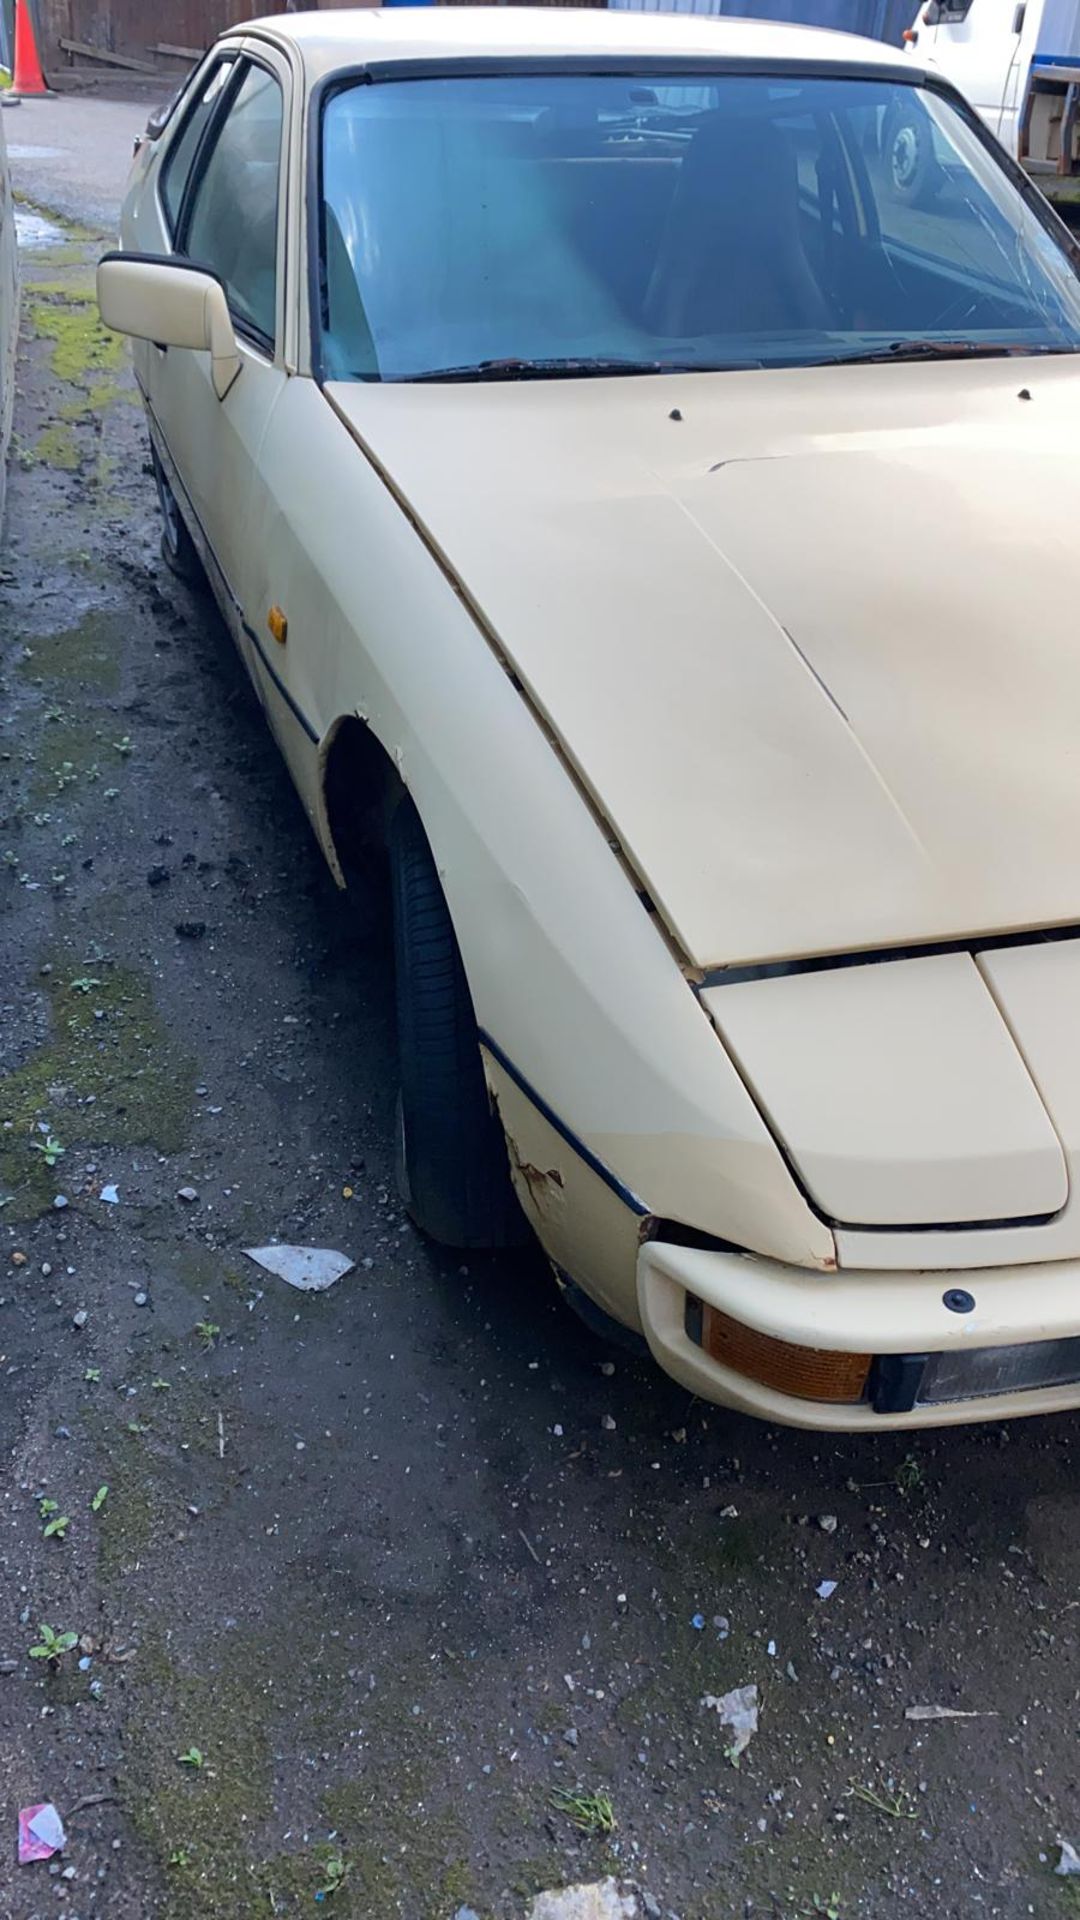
x: 851, y: 1312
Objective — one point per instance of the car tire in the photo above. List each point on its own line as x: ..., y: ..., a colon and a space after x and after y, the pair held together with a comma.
x: 178, y: 549
x: 452, y: 1167
x: 913, y: 169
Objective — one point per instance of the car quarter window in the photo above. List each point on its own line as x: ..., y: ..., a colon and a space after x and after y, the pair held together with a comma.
x: 176, y: 166
x: 231, y: 222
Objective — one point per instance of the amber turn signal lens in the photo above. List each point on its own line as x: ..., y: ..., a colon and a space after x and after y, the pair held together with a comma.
x: 808, y: 1373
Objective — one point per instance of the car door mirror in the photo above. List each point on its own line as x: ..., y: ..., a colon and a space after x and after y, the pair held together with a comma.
x: 175, y: 305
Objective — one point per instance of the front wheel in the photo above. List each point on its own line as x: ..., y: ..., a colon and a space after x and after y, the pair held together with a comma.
x: 452, y: 1163
x: 178, y: 549
x: 914, y: 171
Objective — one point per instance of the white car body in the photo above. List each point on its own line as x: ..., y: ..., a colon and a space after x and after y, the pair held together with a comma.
x: 740, y: 711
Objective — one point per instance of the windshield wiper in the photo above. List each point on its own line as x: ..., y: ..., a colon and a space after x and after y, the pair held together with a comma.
x: 938, y: 350
x: 554, y: 369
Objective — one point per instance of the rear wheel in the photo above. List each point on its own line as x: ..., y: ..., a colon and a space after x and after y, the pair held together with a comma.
x: 914, y: 171
x: 178, y: 549
x: 451, y: 1152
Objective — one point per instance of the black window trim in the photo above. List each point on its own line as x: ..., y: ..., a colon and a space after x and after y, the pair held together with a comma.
x: 381, y: 72
x: 218, y: 59
x: 242, y: 61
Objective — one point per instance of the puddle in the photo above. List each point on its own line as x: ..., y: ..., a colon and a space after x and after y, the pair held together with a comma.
x: 33, y: 230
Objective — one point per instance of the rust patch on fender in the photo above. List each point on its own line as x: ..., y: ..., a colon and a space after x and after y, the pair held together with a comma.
x: 539, y: 1182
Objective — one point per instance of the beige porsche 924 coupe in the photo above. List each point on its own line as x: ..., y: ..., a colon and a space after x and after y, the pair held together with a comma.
x: 666, y: 536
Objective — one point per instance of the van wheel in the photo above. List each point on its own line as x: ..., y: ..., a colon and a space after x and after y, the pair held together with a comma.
x: 178, y: 549
x: 909, y: 155
x: 452, y: 1167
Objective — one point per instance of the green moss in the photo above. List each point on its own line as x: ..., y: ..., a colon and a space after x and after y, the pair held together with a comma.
x: 67, y: 315
x: 58, y: 447
x: 133, y: 1513
x: 96, y: 400
x: 72, y: 753
x: 87, y: 653
x: 210, y: 1277
x: 111, y: 1075
x: 199, y: 1824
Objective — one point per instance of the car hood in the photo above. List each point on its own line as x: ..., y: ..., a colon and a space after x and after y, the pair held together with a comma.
x: 806, y: 636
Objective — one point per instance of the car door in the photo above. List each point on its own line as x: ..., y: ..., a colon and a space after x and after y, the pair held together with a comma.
x: 224, y: 189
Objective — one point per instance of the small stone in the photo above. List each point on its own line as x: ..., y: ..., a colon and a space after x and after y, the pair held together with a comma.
x: 571, y: 1736
x: 607, y: 1368
x: 827, y: 1522
x: 9, y: 1666
x: 46, y: 1268
x: 18, y: 1259
x: 62, y: 1433
x: 141, y: 1299
x: 607, y: 1423
x: 653, y: 1909
x: 186, y: 1193
x: 466, y: 1913
x: 80, y: 1318
x: 60, y: 1202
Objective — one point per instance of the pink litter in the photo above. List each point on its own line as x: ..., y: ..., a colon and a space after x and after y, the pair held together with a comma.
x: 41, y: 1833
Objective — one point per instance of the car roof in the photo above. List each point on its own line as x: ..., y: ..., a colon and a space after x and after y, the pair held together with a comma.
x: 328, y: 41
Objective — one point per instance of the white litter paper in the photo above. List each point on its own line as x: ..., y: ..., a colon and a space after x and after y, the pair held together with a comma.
x: 739, y: 1711
x: 310, y: 1269
x: 1070, y: 1859
x: 601, y: 1900
x: 48, y: 1827
x: 945, y: 1713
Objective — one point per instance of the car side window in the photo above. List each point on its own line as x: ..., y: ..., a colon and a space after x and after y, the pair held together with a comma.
x: 232, y: 220
x: 176, y: 166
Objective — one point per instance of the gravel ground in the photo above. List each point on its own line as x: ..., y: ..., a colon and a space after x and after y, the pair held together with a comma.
x: 402, y: 1560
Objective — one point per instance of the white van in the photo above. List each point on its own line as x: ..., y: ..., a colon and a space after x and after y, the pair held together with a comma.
x: 1018, y: 63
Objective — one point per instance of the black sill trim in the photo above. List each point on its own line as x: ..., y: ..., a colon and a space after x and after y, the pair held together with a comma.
x: 876, y: 956
x: 296, y: 711
x: 176, y: 483
x: 625, y: 1194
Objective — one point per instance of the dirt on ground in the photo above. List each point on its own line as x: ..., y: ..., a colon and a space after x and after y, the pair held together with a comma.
x: 365, y: 1584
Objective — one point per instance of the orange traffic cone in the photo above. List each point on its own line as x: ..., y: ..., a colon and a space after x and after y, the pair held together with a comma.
x: 27, y: 79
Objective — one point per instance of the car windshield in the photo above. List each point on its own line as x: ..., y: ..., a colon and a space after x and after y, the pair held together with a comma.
x: 516, y: 226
